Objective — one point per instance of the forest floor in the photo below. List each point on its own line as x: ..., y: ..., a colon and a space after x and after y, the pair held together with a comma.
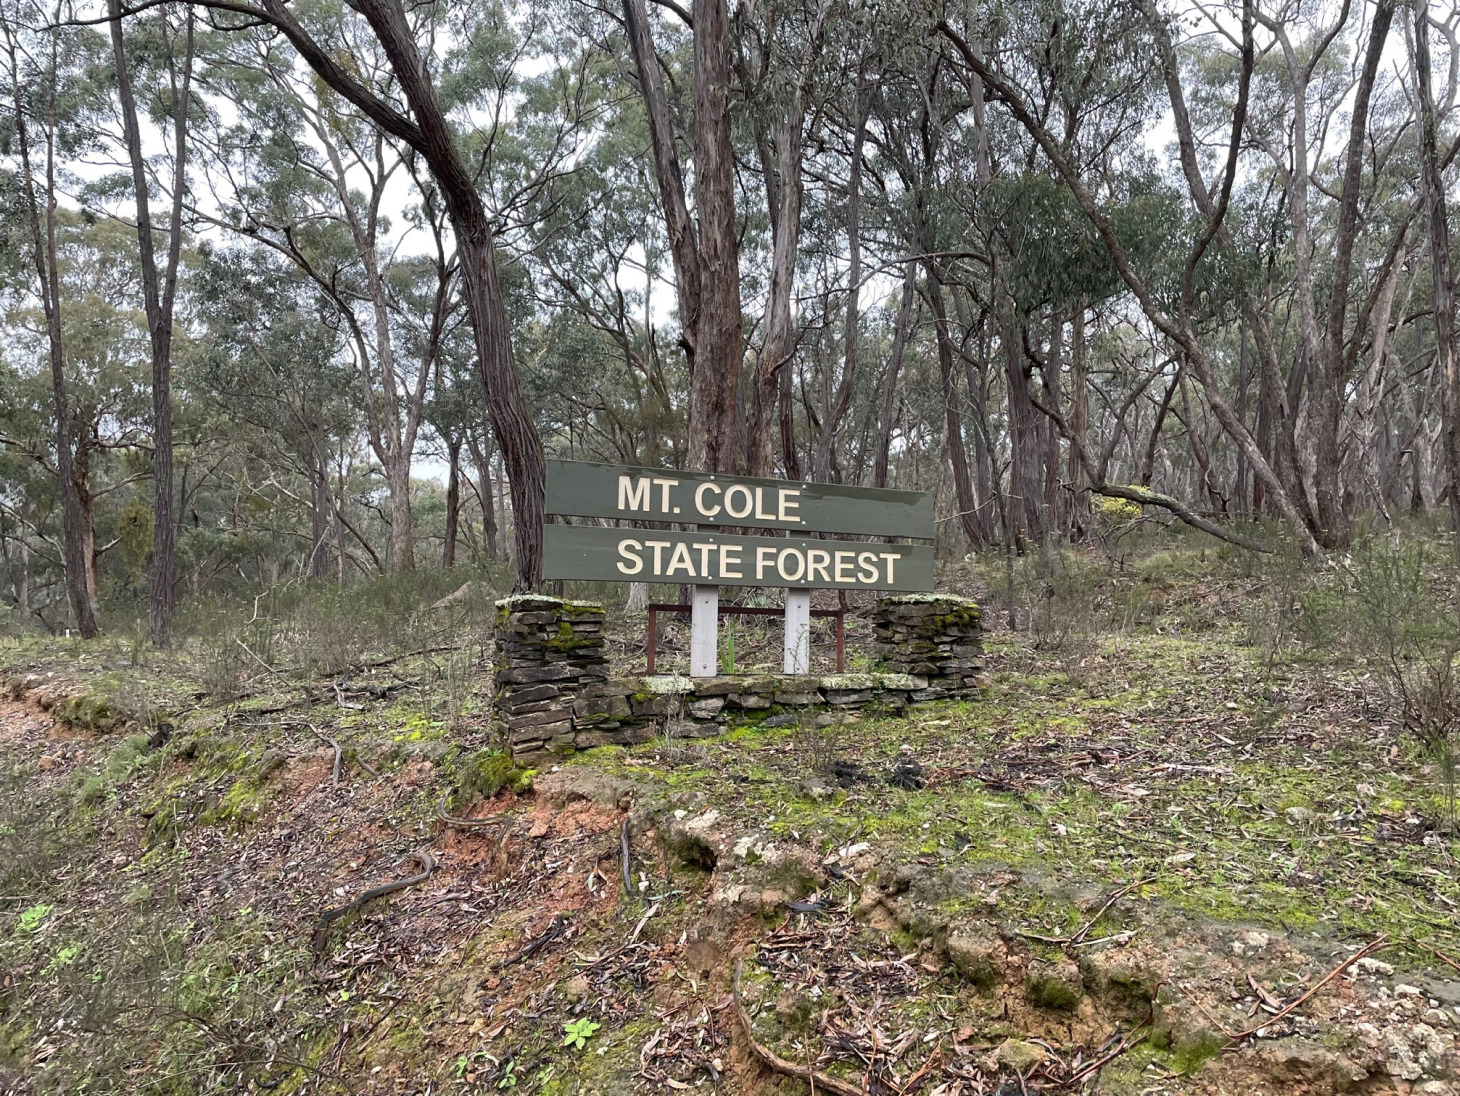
x: 1167, y: 853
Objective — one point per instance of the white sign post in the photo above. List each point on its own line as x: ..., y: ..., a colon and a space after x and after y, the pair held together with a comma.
x: 798, y: 632
x: 704, y: 623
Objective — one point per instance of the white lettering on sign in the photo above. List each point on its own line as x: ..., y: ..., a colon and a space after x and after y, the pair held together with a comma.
x: 711, y: 561
x: 788, y: 505
x: 664, y: 485
x: 700, y: 492
x: 738, y: 500
x: 633, y: 496
x: 629, y: 551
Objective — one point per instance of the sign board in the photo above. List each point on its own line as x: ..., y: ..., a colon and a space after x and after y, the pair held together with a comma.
x: 589, y: 490
x: 714, y: 559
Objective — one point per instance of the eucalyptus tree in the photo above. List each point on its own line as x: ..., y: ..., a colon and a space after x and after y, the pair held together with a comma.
x: 301, y: 171
x: 706, y: 247
x: 410, y: 97
x: 271, y: 356
x: 172, y: 53
x: 43, y: 64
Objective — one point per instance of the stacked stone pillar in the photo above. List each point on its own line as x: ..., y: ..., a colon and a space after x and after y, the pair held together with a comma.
x: 936, y: 637
x: 550, y: 653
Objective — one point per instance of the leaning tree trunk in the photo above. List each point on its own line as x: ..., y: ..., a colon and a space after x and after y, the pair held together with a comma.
x: 511, y: 420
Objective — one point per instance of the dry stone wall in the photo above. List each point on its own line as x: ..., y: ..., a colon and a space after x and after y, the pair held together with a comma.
x: 555, y: 693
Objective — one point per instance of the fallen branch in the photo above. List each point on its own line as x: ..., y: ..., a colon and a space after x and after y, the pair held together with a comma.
x: 560, y: 923
x: 626, y: 856
x: 818, y: 1081
x: 329, y: 917
x: 1079, y: 935
x: 1112, y: 900
x: 1363, y: 952
x: 339, y: 754
x: 1441, y: 956
x: 467, y: 823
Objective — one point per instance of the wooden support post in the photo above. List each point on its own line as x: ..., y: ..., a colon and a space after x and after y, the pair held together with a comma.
x: 798, y: 632
x: 704, y: 631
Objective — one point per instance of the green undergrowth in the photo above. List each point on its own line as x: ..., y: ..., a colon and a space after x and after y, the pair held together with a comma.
x: 1202, y: 782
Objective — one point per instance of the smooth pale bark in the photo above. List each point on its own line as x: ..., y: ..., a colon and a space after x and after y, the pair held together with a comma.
x: 391, y: 427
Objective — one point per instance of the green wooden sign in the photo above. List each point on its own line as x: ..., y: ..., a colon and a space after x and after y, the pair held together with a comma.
x: 707, y: 558
x: 584, y: 489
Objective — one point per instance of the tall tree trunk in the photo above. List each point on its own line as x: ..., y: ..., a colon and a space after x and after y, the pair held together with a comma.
x: 1440, y: 272
x: 1024, y: 448
x: 158, y: 297
x: 786, y: 409
x: 431, y: 135
x: 22, y: 580
x: 1244, y: 379
x: 953, y: 419
x: 320, y: 511
x: 784, y: 192
x: 715, y: 380
x: 1080, y: 518
x: 894, y: 370
x: 1336, y: 530
x: 833, y: 422
x: 453, y: 504
x: 683, y: 245
x: 43, y: 244
x: 486, y: 499
x: 1053, y: 397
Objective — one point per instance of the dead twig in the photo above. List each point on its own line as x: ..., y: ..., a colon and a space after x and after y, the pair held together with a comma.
x: 1441, y: 956
x: 1367, y: 950
x: 339, y: 754
x: 329, y: 917
x: 774, y: 1062
x: 1112, y: 900
x: 556, y: 929
x: 467, y: 823
x: 626, y: 856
